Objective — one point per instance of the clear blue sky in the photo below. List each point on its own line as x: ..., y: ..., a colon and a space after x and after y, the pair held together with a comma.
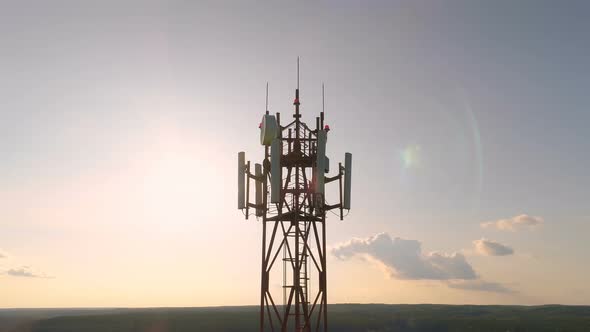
x: 457, y: 113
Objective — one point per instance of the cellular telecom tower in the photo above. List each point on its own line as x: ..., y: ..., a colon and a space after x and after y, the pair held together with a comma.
x: 289, y: 186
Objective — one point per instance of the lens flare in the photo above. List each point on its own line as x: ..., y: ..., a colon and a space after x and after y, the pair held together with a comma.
x: 411, y: 156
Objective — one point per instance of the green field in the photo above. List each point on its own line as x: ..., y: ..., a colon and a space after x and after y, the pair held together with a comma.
x: 342, y: 317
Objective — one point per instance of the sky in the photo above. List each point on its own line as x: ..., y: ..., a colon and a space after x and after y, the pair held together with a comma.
x: 120, y: 124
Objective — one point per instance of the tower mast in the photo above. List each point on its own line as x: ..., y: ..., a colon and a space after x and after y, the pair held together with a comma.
x: 293, y: 214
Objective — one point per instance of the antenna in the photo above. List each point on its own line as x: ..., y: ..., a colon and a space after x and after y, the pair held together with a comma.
x: 297, y: 73
x: 296, y: 102
x: 323, y: 100
x: 259, y: 193
x: 347, y: 179
x: 322, y: 112
x: 275, y: 173
x: 266, y: 98
x: 241, y: 180
x: 320, y: 162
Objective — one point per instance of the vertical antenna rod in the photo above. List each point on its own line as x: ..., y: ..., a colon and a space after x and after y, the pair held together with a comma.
x: 266, y: 98
x: 323, y: 98
x: 297, y: 73
x: 296, y: 102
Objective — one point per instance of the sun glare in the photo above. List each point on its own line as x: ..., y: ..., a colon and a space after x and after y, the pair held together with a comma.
x: 173, y: 182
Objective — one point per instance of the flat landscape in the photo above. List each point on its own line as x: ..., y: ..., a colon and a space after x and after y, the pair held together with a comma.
x: 343, y: 317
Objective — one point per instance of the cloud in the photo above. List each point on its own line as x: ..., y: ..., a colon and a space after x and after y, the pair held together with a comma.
x: 492, y: 248
x: 24, y: 272
x: 479, y: 285
x: 404, y: 258
x: 513, y: 224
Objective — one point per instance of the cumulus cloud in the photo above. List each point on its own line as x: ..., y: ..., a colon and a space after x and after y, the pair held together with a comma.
x: 479, y: 285
x: 405, y: 260
x: 492, y: 248
x: 513, y: 224
x: 3, y: 254
x: 24, y: 272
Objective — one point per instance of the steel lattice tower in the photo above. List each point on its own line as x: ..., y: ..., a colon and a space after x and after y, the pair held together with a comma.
x: 292, y: 210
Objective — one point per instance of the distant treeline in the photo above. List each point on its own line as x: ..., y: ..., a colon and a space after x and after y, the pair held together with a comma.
x: 342, y: 317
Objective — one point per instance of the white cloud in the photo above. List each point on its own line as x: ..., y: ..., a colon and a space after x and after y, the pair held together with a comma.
x: 405, y: 260
x: 492, y: 248
x: 513, y: 224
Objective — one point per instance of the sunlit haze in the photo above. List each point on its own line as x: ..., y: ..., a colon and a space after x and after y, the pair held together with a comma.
x: 120, y: 123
